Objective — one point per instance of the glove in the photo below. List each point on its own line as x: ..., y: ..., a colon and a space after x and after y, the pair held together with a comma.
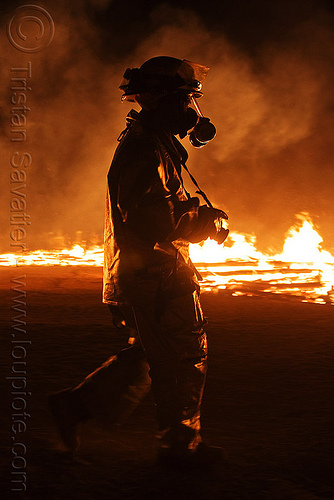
x: 209, y: 224
x: 221, y: 231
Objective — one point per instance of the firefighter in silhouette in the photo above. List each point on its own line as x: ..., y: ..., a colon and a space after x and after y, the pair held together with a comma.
x: 149, y: 282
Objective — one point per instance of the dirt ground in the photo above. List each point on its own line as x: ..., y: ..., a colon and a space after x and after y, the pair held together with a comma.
x: 268, y: 399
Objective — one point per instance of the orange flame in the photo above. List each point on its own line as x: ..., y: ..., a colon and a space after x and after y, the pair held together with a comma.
x: 303, y: 269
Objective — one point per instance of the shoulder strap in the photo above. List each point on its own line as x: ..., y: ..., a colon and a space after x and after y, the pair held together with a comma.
x: 199, y: 190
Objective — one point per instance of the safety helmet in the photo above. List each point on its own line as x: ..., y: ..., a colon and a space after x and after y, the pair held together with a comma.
x: 163, y: 75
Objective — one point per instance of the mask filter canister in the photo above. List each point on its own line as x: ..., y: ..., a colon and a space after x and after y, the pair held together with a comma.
x: 204, y: 131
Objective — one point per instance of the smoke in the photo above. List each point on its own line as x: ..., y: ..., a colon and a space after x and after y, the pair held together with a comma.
x: 72, y: 124
x: 272, y: 105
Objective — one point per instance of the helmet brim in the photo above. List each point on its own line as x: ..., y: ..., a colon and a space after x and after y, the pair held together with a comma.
x: 157, y: 77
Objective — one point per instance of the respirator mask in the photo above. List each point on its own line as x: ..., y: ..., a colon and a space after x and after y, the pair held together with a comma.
x: 191, y: 122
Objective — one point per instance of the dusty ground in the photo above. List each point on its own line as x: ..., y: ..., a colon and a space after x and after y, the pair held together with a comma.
x: 268, y: 400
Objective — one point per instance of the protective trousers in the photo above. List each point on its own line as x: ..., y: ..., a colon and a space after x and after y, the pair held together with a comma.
x: 171, y: 351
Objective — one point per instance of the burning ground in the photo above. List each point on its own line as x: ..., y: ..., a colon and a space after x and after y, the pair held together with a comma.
x: 302, y: 270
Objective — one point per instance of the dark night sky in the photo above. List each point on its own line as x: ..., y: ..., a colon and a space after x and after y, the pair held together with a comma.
x: 269, y: 92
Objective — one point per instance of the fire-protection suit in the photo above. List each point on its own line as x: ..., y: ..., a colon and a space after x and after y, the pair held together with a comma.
x: 149, y: 277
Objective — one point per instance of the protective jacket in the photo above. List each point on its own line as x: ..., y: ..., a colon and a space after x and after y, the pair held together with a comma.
x: 149, y: 219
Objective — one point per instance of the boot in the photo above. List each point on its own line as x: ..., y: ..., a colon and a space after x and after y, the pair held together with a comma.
x: 67, y: 413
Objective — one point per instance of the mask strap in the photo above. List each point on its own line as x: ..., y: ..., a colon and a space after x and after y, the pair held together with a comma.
x: 196, y: 106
